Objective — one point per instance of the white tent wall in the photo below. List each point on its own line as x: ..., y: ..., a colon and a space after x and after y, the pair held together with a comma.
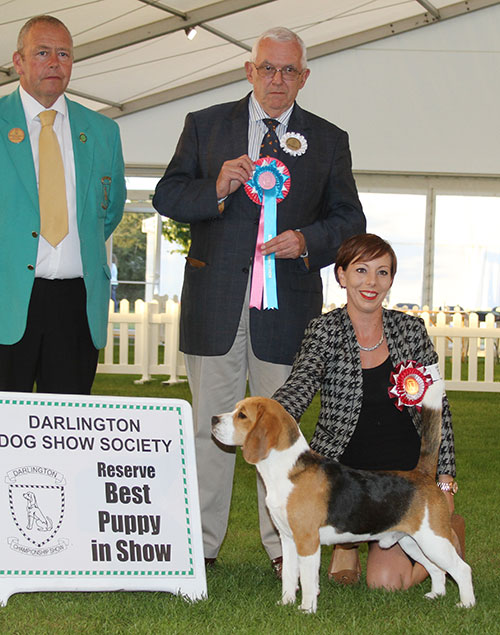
x: 423, y: 101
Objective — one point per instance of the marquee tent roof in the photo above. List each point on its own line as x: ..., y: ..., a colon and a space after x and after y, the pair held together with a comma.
x: 134, y: 54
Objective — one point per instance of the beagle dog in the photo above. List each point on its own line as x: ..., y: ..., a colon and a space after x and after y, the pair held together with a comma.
x: 313, y: 500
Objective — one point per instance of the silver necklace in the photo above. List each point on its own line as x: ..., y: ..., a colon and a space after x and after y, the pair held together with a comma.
x: 371, y: 348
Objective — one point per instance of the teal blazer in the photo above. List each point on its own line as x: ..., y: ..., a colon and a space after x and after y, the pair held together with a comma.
x: 98, y: 155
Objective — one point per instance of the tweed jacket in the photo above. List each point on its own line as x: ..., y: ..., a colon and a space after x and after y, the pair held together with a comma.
x: 329, y: 361
x: 322, y: 203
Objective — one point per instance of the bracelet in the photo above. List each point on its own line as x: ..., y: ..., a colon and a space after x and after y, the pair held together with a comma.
x: 451, y: 487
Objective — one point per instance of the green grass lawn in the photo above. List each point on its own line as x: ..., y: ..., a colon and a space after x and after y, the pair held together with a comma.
x: 242, y: 592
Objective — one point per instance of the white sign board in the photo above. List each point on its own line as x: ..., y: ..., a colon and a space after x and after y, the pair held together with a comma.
x: 98, y: 494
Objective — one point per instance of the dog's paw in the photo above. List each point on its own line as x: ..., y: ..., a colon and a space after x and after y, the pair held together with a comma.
x: 287, y: 598
x: 308, y: 607
x: 466, y: 605
x: 432, y: 595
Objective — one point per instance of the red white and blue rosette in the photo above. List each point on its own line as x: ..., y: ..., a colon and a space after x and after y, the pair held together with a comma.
x: 269, y: 185
x: 410, y: 381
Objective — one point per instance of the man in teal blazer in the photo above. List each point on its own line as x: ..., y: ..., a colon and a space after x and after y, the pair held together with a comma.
x: 54, y: 299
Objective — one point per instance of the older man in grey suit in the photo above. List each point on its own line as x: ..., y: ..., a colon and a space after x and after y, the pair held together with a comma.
x: 226, y: 341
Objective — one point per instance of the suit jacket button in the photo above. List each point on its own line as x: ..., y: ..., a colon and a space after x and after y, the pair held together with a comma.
x: 30, y: 267
x: 245, y: 269
x: 34, y: 234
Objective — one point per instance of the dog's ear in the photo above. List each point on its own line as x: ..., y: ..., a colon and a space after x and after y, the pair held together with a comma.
x: 262, y: 436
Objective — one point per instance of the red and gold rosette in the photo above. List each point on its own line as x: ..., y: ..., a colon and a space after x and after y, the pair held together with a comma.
x: 410, y: 381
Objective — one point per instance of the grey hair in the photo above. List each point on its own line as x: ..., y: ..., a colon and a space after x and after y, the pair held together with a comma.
x: 39, y: 19
x: 281, y: 34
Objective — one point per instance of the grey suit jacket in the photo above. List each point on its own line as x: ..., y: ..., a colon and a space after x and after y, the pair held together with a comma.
x: 329, y: 361
x: 322, y: 203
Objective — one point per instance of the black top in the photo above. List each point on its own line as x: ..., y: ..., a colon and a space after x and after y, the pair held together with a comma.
x: 385, y: 437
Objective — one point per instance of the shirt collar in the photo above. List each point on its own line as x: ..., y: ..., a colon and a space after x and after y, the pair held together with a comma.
x: 257, y: 113
x: 32, y: 107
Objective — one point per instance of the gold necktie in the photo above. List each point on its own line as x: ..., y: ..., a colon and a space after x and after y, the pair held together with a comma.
x: 51, y: 183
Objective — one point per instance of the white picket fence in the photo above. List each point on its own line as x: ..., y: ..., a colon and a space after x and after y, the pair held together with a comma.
x: 146, y: 342
x: 463, y: 338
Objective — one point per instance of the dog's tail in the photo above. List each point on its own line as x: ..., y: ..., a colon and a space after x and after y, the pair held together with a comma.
x: 432, y: 406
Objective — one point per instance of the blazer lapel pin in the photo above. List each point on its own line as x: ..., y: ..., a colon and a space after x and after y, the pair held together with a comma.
x: 16, y: 135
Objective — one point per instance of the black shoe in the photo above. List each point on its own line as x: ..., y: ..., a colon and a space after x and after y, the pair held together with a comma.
x: 277, y: 566
x: 210, y: 562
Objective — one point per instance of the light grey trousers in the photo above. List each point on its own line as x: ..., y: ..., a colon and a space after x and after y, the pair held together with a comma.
x: 217, y: 383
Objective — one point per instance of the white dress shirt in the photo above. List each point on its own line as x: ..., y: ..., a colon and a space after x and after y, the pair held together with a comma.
x: 64, y: 260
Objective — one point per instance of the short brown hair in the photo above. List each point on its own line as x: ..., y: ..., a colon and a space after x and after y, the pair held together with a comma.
x: 364, y: 247
x: 38, y: 19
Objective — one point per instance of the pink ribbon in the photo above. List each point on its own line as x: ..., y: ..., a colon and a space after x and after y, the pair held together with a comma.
x: 257, y: 288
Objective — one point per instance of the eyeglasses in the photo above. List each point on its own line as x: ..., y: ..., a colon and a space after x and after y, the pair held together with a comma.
x: 268, y: 71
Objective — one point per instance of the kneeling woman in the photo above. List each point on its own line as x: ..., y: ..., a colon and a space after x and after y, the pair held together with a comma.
x: 350, y: 355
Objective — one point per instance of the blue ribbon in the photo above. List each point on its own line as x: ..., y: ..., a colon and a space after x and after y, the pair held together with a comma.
x: 270, y: 224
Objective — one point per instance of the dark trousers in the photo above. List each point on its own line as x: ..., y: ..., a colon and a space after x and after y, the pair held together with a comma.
x: 56, y: 350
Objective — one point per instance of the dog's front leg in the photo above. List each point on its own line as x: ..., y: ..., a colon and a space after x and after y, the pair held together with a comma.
x: 309, y: 580
x: 30, y: 521
x: 290, y: 572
